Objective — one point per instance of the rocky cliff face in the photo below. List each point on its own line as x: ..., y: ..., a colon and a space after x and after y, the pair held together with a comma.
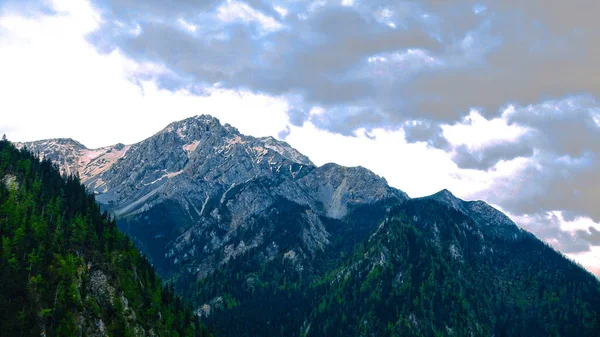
x: 74, y: 158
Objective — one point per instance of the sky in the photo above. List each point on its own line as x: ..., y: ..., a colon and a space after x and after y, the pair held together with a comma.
x: 492, y: 100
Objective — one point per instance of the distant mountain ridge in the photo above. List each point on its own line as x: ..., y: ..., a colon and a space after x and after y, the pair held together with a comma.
x: 75, y: 158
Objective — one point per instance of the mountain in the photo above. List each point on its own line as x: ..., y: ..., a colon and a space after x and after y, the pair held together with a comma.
x: 190, y: 192
x: 491, y: 221
x: 66, y: 268
x: 250, y: 228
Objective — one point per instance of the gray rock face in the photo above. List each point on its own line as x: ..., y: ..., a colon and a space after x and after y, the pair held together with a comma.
x: 490, y: 220
x: 74, y: 158
x: 191, y: 161
x: 198, y: 194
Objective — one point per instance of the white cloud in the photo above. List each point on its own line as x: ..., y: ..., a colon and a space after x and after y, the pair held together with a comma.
x: 316, y: 111
x: 476, y: 132
x: 384, y: 16
x: 283, y: 12
x: 187, y: 26
x: 589, y: 260
x: 391, y: 66
x: 233, y: 11
x: 596, y: 117
x: 579, y: 223
x: 312, y: 7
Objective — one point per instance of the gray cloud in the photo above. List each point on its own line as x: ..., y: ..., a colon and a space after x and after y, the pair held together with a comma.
x: 564, y: 127
x: 548, y: 228
x: 345, y: 120
x: 321, y: 57
x: 592, y: 236
x: 491, y: 155
x: 564, y: 172
x: 552, y: 183
x: 297, y: 116
x: 507, y: 51
x: 199, y: 61
x: 126, y: 10
x: 548, y: 49
x: 27, y: 7
x: 283, y: 134
x: 427, y: 132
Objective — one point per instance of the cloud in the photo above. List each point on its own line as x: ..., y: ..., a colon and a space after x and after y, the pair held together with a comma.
x: 233, y: 11
x: 126, y: 10
x: 547, y: 50
x: 562, y: 146
x: 589, y: 260
x: 489, y: 156
x: 551, y: 183
x: 428, y: 61
x: 565, y: 127
x: 548, y: 227
x: 592, y: 236
x: 284, y: 133
x: 27, y: 7
x: 423, y: 131
x: 321, y: 54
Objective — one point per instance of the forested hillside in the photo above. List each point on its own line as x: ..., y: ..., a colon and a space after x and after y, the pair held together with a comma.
x: 427, y: 270
x: 65, y: 268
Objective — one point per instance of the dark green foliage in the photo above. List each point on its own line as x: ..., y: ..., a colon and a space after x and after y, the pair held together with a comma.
x: 53, y: 240
x: 426, y: 271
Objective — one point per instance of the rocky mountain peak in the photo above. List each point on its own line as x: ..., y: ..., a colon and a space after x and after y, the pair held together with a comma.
x: 64, y: 151
x: 284, y: 149
x: 448, y: 198
x: 119, y: 146
x: 489, y: 219
x: 56, y: 144
x: 68, y: 142
x: 193, y: 127
x: 445, y: 193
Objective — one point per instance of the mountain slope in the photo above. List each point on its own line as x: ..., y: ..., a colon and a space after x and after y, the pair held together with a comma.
x: 428, y: 269
x: 66, y: 269
x: 432, y: 270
